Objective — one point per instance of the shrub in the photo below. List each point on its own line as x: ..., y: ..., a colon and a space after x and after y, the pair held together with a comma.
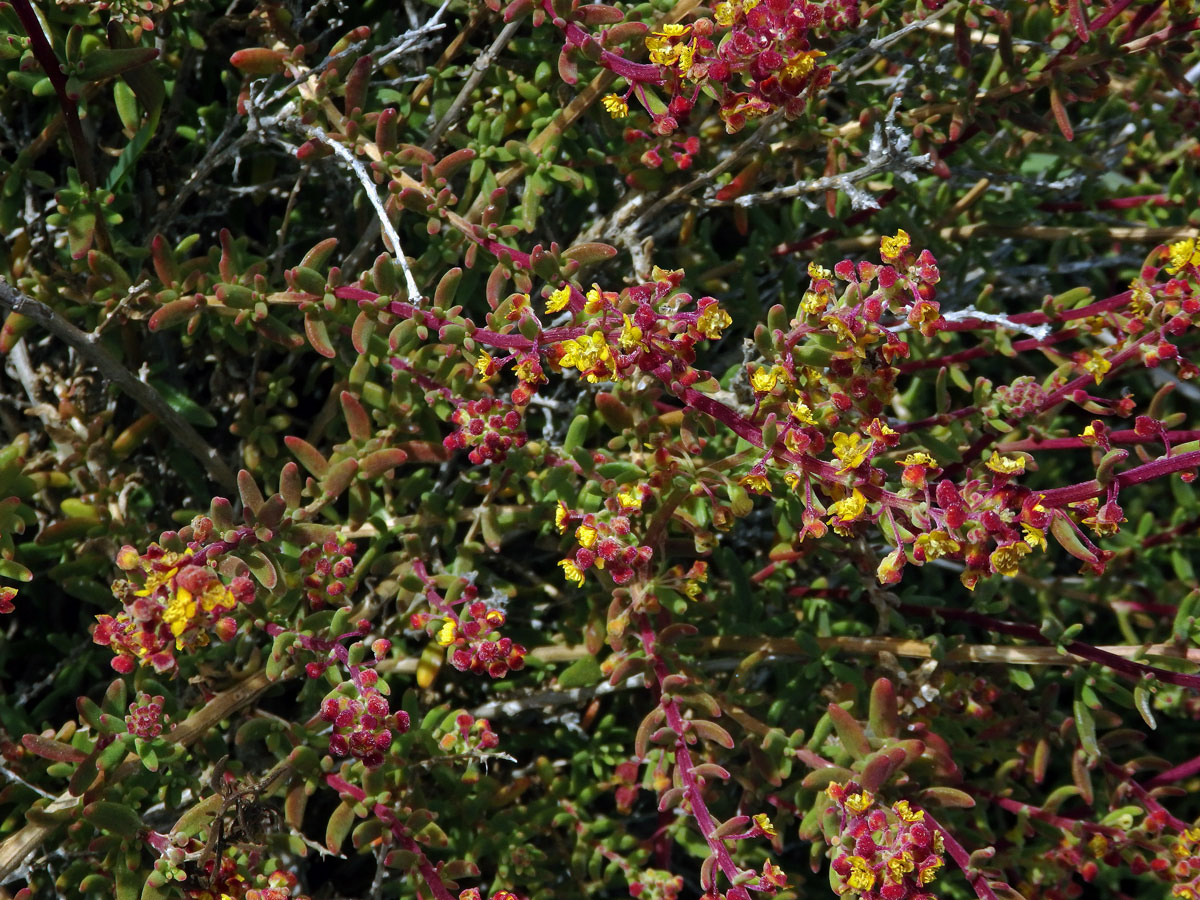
x: 680, y: 451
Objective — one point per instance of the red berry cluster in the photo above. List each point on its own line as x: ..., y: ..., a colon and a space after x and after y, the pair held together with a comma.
x: 489, y: 427
x: 362, y: 725
x: 328, y: 565
x: 145, y: 717
x: 477, y: 645
x: 885, y: 854
x: 658, y: 153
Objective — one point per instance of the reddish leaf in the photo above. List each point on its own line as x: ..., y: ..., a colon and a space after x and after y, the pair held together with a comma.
x: 48, y: 748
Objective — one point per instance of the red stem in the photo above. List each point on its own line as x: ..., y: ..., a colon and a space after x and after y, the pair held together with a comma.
x: 959, y: 854
x: 48, y: 60
x: 1125, y: 436
x: 399, y: 833
x: 684, y: 766
x: 1156, y: 468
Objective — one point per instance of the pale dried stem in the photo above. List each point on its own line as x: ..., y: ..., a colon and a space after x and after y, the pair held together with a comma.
x: 17, y: 847
x: 145, y: 395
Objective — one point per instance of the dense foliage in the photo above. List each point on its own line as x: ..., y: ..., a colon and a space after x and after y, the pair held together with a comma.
x: 543, y: 450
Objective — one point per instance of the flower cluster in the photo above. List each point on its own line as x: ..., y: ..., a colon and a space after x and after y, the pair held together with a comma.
x: 470, y: 734
x: 885, y: 853
x: 169, y: 604
x: 605, y: 539
x: 658, y: 331
x: 769, y: 50
x: 474, y: 894
x: 489, y: 427
x: 663, y: 153
x: 475, y: 643
x: 363, y: 724
x: 329, y: 566
x: 656, y: 884
x: 145, y: 717
x: 765, y: 61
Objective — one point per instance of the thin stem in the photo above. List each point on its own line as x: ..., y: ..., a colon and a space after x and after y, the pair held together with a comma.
x: 50, y: 65
x: 360, y: 172
x: 959, y: 854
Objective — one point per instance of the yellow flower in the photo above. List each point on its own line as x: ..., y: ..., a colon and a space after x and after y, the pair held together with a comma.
x: 483, y: 365
x: 687, y: 55
x: 1034, y: 537
x: 559, y: 299
x: 861, y: 878
x: 889, y: 568
x: 661, y: 53
x: 615, y: 106
x: 937, y: 544
x: 919, y: 458
x: 181, y: 608
x: 818, y: 271
x: 1088, y: 435
x: 907, y: 813
x: 764, y: 380
x: 764, y: 824
x: 882, y: 429
x: 1097, y: 365
x: 1102, y: 527
x: 890, y: 248
x: 528, y: 371
x: 899, y: 865
x: 631, y: 335
x: 216, y: 594
x: 929, y: 868
x: 859, y: 803
x: 1006, y: 560
x: 590, y: 354
x: 561, y: 516
x: 847, y: 510
x: 723, y: 13
x: 571, y: 572
x: 1006, y: 465
x: 801, y: 64
x: 586, y: 535
x: 757, y: 482
x: 448, y: 633
x: 813, y: 303
x: 802, y: 412
x: 1183, y: 253
x: 713, y: 321
x: 1098, y: 844
x: 846, y: 448
x: 595, y: 301
x: 154, y: 581
x: 630, y: 497
x: 692, y: 589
